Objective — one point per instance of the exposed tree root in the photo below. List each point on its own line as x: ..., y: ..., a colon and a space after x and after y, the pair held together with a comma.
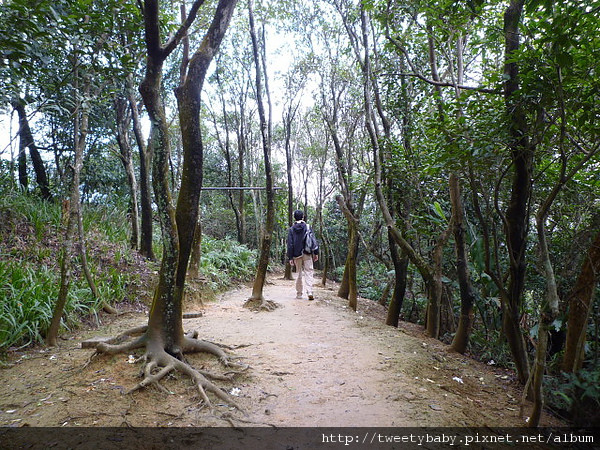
x: 260, y: 304
x: 159, y: 363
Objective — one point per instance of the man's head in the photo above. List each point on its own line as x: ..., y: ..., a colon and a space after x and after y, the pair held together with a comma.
x: 298, y: 215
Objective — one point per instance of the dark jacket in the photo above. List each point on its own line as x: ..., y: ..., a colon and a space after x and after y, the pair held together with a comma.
x: 295, y: 241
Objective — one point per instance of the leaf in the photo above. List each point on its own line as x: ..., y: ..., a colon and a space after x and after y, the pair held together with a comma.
x: 438, y: 210
x: 557, y: 324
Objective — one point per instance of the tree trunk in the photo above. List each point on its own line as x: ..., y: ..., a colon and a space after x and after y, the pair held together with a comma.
x: 580, y: 304
x: 517, y: 214
x: 401, y: 271
x: 80, y: 127
x: 26, y: 140
x: 288, y: 118
x: 178, y: 225
x: 226, y: 146
x: 265, y: 128
x: 194, y: 266
x: 22, y: 164
x: 348, y: 288
x: 145, y: 152
x: 467, y: 296
x: 123, y: 123
x: 241, y: 220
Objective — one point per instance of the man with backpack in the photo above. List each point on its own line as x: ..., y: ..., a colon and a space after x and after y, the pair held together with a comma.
x: 302, y: 251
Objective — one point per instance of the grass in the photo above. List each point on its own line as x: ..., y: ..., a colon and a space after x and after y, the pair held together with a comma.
x: 30, y: 240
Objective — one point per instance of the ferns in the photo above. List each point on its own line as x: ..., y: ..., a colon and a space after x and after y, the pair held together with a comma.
x: 225, y: 261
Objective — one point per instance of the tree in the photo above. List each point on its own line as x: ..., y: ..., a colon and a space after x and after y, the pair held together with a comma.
x: 123, y: 120
x: 288, y: 119
x: 337, y: 106
x: 163, y: 337
x: 257, y: 299
x: 27, y: 141
x: 467, y: 296
x: 516, y: 219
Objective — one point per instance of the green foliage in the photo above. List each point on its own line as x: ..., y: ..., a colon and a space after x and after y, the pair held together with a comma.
x: 225, y: 261
x: 575, y: 394
x: 29, y: 272
x: 27, y: 297
x: 112, y: 223
x: 35, y: 212
x: 372, y: 279
x: 491, y: 345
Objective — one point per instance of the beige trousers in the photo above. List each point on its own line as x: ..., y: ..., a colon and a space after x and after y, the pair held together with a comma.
x: 305, y: 273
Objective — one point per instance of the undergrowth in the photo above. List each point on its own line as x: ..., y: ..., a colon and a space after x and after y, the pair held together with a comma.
x: 225, y: 262
x: 30, y: 245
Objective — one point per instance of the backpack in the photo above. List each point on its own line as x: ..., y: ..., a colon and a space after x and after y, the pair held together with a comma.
x: 310, y: 241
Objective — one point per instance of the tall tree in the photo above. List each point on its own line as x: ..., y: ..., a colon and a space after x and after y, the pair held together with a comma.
x: 467, y: 295
x: 164, y: 338
x: 257, y: 299
x: 516, y: 219
x: 123, y: 121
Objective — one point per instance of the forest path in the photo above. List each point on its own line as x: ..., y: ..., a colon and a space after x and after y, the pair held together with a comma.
x: 313, y: 363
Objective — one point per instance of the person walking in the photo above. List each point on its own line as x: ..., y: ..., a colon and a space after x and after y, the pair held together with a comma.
x: 302, y: 251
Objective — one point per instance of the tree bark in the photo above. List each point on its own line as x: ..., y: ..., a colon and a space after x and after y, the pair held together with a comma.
x: 123, y: 123
x: 467, y: 296
x: 165, y: 327
x: 348, y: 287
x: 288, y: 119
x: 265, y: 129
x: 26, y: 141
x: 580, y: 301
x: 80, y: 127
x: 517, y: 215
x: 400, y: 269
x: 145, y: 152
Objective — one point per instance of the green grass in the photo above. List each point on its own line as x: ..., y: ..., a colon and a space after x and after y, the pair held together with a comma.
x: 30, y: 240
x: 27, y: 296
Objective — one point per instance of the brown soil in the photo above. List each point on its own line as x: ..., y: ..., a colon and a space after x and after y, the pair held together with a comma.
x: 313, y: 363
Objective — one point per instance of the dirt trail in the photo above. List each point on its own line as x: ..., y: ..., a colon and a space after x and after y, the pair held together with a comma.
x: 314, y: 363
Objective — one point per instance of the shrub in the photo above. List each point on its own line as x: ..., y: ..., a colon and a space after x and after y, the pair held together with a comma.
x: 226, y: 261
x: 577, y: 395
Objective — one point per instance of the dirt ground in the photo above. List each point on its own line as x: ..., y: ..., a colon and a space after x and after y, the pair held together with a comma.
x: 313, y: 363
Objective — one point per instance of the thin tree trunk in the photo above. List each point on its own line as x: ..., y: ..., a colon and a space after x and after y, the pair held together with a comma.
x: 123, y: 123
x: 288, y: 118
x: 348, y: 288
x: 85, y: 265
x: 517, y: 214
x: 80, y: 127
x: 242, y: 235
x: 26, y: 140
x: 22, y: 164
x: 145, y: 152
x: 265, y: 128
x: 400, y: 269
x: 194, y: 267
x: 580, y: 301
x: 467, y: 296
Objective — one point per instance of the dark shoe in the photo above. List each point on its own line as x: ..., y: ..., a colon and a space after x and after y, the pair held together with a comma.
x: 311, y: 297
